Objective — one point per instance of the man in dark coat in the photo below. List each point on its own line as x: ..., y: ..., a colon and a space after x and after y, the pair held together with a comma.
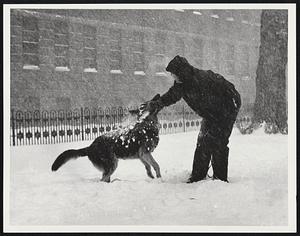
x: 213, y: 98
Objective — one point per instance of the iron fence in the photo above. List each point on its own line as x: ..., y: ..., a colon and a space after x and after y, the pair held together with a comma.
x: 48, y: 127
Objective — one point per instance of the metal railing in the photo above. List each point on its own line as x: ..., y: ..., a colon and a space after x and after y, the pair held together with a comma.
x: 48, y: 127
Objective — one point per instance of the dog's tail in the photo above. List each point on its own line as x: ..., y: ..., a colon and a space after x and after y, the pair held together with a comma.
x: 68, y: 155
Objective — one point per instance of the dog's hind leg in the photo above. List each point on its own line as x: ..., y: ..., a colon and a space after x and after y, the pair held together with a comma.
x: 106, y: 176
x: 150, y: 160
x: 109, y: 170
x: 148, y: 168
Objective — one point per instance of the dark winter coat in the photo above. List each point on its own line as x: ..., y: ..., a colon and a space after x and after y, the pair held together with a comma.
x: 209, y: 94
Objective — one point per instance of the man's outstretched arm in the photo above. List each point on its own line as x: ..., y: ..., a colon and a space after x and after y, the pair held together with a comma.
x: 173, y: 95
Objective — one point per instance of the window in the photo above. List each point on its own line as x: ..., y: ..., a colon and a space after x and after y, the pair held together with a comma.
x: 63, y: 103
x: 160, y: 68
x: 198, y: 50
x: 32, y: 103
x: 229, y: 59
x: 61, y: 44
x: 215, y: 15
x: 90, y: 49
x: 229, y: 23
x: 30, y: 42
x: 245, y: 61
x: 256, y: 18
x: 229, y: 15
x: 115, y: 50
x: 245, y: 17
x: 138, y: 51
x: 179, y: 46
x: 160, y: 53
x: 160, y: 43
x: 215, y: 53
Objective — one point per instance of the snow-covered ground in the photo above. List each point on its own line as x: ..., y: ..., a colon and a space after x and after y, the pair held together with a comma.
x: 257, y: 194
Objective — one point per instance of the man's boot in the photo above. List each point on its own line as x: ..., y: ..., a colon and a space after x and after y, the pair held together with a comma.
x: 202, y: 157
x: 220, y: 164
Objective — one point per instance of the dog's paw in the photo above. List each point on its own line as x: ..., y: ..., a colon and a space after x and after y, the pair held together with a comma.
x: 150, y: 175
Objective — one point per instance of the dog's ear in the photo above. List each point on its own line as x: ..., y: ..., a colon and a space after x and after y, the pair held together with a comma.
x: 156, y: 97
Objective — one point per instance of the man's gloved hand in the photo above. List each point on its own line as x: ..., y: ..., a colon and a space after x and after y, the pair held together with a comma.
x: 151, y: 106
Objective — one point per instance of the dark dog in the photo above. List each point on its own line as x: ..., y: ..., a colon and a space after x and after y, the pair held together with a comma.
x: 135, y: 142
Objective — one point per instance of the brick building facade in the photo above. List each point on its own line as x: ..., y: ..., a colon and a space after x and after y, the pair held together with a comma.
x: 65, y: 59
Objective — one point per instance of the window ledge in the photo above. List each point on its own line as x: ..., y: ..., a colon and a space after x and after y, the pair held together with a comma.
x: 159, y: 55
x: 161, y: 73
x: 214, y: 16
x: 62, y: 68
x: 230, y: 19
x: 31, y: 67
x: 139, y: 73
x: 245, y: 22
x: 230, y: 76
x: 246, y: 77
x: 197, y: 13
x: 90, y: 70
x: 116, y: 72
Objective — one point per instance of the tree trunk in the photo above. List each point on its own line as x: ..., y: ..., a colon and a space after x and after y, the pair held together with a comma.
x: 270, y: 103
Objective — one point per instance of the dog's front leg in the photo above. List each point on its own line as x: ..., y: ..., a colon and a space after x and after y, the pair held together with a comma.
x: 149, y: 159
x: 105, y: 178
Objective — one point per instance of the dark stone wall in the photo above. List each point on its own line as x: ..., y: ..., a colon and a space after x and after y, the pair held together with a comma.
x: 46, y: 88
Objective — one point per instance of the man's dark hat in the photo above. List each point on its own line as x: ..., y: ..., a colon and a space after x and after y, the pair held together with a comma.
x: 177, y: 64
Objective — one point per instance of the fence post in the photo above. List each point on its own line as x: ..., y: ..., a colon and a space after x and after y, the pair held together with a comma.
x: 183, y: 118
x: 81, y: 115
x: 13, y: 127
